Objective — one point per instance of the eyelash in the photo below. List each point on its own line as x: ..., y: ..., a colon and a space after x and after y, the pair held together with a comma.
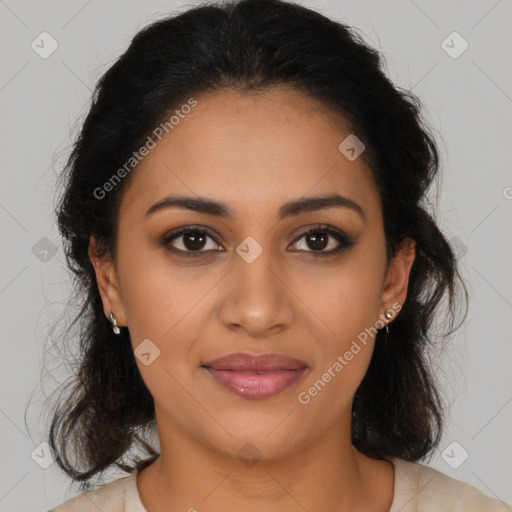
x: 344, y: 241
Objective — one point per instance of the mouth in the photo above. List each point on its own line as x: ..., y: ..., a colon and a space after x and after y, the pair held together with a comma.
x: 256, y: 377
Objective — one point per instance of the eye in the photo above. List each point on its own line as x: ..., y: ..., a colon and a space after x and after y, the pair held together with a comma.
x: 318, y: 239
x: 193, y: 241
x: 190, y: 241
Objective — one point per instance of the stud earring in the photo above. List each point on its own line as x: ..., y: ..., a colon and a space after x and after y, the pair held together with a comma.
x: 388, y: 316
x: 115, y: 327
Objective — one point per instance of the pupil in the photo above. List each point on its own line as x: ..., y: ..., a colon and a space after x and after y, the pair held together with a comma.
x: 194, y: 241
x: 319, y: 240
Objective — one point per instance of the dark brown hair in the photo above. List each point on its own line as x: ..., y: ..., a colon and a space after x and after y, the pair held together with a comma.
x: 105, y: 410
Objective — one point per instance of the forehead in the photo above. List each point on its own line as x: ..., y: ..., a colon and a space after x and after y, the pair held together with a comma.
x: 251, y: 150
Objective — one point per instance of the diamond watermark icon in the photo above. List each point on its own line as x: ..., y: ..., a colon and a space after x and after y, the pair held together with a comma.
x: 44, y: 250
x: 459, y: 248
x: 454, y: 455
x: 454, y: 45
x: 249, y: 249
x: 146, y: 352
x: 44, y: 45
x: 249, y: 454
x: 351, y: 147
x: 43, y: 455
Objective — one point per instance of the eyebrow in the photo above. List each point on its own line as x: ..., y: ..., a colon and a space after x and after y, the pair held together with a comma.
x: 289, y: 209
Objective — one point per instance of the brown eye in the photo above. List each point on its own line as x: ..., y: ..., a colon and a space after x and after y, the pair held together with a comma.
x: 194, y: 241
x: 320, y: 238
x: 317, y: 240
x: 190, y: 241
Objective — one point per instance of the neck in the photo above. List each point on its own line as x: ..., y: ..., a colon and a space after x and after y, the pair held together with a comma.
x: 189, y: 475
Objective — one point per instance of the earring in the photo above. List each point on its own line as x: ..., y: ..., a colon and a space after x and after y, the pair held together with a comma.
x: 388, y: 316
x: 115, y: 327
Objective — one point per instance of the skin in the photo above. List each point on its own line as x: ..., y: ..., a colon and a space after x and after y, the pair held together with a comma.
x: 286, y: 301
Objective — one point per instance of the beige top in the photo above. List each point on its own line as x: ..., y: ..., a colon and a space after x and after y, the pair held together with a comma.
x: 418, y: 488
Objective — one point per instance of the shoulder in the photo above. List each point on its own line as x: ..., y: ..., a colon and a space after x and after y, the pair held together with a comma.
x: 419, y: 487
x: 109, y: 497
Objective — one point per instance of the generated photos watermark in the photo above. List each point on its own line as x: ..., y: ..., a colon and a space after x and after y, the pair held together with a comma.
x: 129, y: 165
x: 304, y: 397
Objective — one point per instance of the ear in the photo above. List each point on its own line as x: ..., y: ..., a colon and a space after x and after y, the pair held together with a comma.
x: 108, y: 284
x: 397, y: 277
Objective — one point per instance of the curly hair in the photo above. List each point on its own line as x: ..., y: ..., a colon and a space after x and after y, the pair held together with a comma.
x: 105, y: 409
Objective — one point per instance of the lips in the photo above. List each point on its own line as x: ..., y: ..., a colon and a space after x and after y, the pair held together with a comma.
x: 257, y: 377
x: 264, y: 362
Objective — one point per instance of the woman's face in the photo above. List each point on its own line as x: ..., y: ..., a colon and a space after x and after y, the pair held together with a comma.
x: 252, y: 284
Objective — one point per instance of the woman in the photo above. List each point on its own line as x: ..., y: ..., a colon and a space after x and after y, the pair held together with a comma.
x: 245, y: 214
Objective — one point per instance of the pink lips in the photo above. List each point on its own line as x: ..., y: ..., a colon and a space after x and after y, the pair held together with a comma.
x: 256, y: 377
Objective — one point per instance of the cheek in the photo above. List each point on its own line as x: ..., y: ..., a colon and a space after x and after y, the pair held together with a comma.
x: 349, y: 308
x: 349, y: 305
x: 157, y: 297
x: 349, y: 301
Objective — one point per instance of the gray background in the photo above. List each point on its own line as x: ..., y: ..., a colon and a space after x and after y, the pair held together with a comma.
x: 468, y: 101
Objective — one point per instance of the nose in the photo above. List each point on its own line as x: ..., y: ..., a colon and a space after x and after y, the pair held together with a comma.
x: 256, y: 298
